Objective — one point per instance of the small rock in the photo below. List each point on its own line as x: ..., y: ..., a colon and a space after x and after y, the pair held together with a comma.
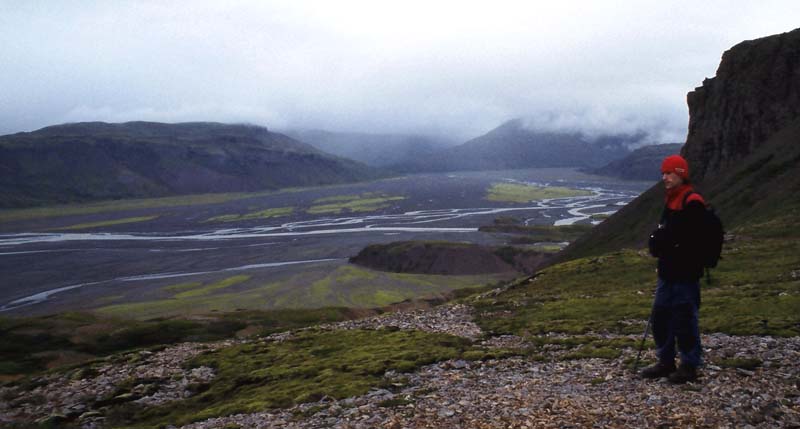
x: 446, y: 412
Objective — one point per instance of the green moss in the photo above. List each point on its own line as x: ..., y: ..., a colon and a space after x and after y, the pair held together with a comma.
x: 28, y: 345
x: 261, y: 214
x: 340, y: 198
x: 353, y: 286
x: 385, y: 297
x: 352, y: 203
x: 206, y: 290
x: 100, y: 224
x: 121, y: 205
x: 254, y: 377
x: 744, y: 363
x: 752, y: 291
x: 518, y: 193
x: 61, y: 210
x: 182, y: 287
x: 594, y: 352
x: 189, y: 298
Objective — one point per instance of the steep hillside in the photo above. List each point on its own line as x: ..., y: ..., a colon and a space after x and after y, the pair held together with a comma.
x: 513, y: 145
x: 742, y: 145
x: 641, y: 164
x: 92, y: 161
x: 377, y: 150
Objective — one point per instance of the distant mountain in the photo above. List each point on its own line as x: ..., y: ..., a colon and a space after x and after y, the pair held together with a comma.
x: 742, y: 146
x: 512, y: 145
x: 377, y: 150
x: 95, y: 160
x: 641, y: 164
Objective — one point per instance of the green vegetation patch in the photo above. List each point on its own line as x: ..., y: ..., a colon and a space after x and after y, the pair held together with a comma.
x: 367, y: 202
x: 181, y: 287
x: 261, y: 214
x: 121, y: 205
x: 743, y: 363
x: 188, y: 298
x: 102, y: 223
x: 354, y: 286
x: 581, y: 347
x: 346, y: 286
x: 308, y: 367
x: 33, y: 344
x: 519, y: 193
x: 592, y: 294
x: 206, y: 290
x: 755, y: 290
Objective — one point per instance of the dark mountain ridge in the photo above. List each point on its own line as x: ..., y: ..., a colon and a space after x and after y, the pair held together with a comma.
x: 95, y: 160
x: 513, y: 145
x: 742, y: 145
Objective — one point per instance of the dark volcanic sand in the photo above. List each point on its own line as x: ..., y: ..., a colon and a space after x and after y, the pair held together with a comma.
x: 179, y: 246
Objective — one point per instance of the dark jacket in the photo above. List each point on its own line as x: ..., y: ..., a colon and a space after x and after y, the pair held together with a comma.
x: 676, y: 242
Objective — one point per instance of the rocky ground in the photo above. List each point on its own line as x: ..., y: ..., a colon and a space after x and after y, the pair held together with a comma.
x: 521, y: 392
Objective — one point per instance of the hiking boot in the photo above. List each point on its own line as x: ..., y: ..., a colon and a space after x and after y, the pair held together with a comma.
x: 683, y: 374
x: 661, y: 369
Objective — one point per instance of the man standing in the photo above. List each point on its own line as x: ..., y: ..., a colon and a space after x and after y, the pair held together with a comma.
x: 680, y: 267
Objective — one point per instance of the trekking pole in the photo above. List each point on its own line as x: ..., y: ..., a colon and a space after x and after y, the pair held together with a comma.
x: 644, y: 338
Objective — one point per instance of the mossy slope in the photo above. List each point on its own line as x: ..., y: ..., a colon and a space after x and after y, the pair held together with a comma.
x: 755, y: 290
x: 307, y: 367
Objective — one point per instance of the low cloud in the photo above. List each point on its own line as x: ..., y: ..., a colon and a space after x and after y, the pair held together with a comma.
x: 450, y: 68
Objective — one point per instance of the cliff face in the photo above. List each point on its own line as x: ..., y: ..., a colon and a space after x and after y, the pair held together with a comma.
x: 743, y: 146
x: 755, y: 93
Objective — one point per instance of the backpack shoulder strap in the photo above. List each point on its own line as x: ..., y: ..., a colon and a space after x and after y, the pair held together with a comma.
x: 692, y: 196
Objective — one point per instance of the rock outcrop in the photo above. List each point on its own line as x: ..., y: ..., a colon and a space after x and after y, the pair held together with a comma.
x: 445, y: 258
x: 755, y: 94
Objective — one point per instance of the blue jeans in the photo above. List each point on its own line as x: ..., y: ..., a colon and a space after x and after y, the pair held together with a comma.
x: 675, y: 320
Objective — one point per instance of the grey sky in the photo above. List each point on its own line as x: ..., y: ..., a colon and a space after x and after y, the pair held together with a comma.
x: 454, y: 68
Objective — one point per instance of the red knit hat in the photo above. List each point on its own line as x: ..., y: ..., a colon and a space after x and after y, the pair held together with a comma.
x: 676, y: 164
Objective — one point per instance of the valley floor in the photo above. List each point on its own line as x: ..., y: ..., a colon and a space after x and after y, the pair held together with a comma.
x: 268, y: 248
x: 554, y: 387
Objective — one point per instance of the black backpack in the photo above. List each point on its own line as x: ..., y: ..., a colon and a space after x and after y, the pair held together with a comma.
x: 713, y: 236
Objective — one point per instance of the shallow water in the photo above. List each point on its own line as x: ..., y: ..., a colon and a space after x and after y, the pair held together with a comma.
x: 43, y: 271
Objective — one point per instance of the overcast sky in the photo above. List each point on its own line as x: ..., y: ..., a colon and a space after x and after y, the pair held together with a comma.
x: 452, y: 68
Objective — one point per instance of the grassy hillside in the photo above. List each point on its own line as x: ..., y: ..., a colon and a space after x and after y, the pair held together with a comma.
x: 754, y: 291
x: 347, y: 286
x: 764, y: 185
